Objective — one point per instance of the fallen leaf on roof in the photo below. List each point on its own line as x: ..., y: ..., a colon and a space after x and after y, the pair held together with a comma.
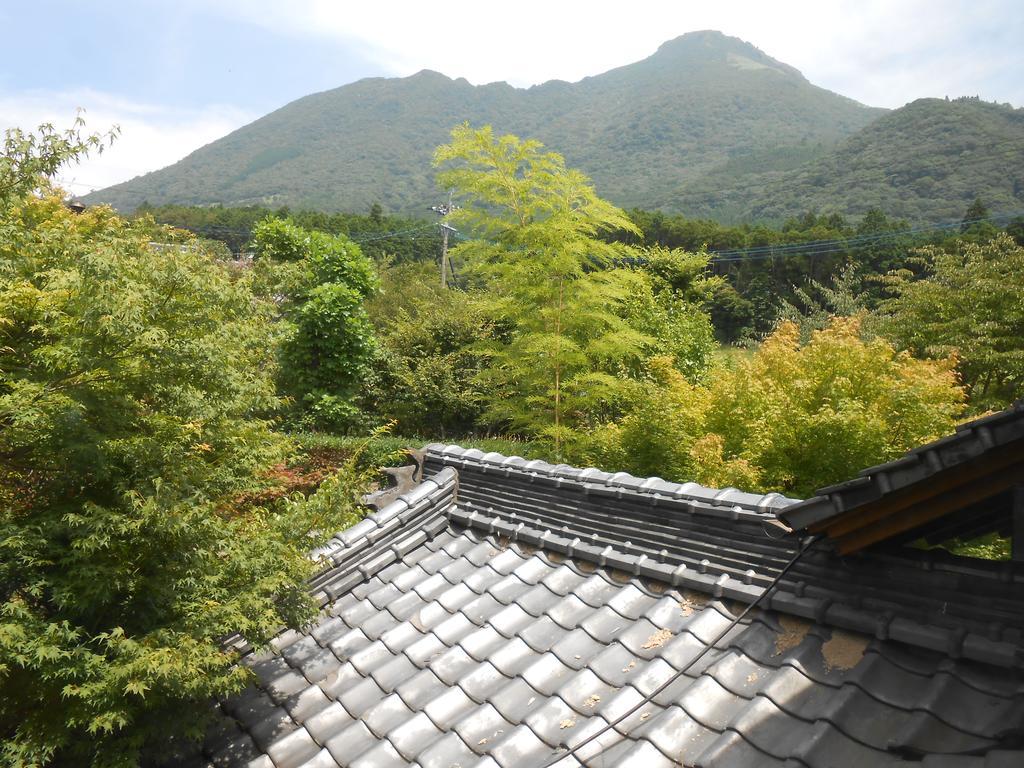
x: 592, y: 700
x: 567, y: 723
x: 843, y: 650
x: 658, y: 639
x: 645, y: 715
x: 692, y: 601
x: 629, y: 666
x: 752, y: 677
x: 482, y: 742
x: 793, y: 632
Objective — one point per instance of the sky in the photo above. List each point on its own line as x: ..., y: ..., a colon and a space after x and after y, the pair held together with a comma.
x: 176, y: 75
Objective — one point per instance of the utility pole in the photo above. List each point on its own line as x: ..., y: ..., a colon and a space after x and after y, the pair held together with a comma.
x: 443, y: 210
x: 445, y: 229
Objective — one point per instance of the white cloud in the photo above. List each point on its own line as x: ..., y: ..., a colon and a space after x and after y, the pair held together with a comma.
x: 151, y: 136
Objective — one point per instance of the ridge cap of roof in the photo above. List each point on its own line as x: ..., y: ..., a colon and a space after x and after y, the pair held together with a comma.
x: 767, y: 504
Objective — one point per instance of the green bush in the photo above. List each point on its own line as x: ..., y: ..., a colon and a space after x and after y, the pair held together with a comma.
x: 321, y: 282
x: 425, y: 374
x: 132, y: 383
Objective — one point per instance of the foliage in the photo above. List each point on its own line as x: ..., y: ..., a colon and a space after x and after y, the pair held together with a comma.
x: 810, y: 415
x: 131, y: 381
x: 538, y: 252
x: 662, y: 434
x: 969, y: 303
x: 384, y: 450
x: 322, y: 281
x: 819, y: 303
x: 789, y: 417
x: 396, y: 238
x: 28, y: 158
x: 425, y: 374
x: 923, y: 162
x: 667, y: 307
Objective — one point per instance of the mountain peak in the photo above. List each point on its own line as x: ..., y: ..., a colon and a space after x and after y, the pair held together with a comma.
x: 701, y: 100
x: 712, y: 46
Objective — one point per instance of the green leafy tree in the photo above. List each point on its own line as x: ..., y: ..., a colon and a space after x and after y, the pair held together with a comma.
x: 322, y: 281
x: 817, y: 303
x: 970, y: 304
x: 537, y: 246
x: 131, y: 386
x: 976, y: 213
x: 808, y: 415
x: 426, y: 373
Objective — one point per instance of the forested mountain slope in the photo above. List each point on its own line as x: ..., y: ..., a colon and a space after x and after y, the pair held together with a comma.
x: 923, y: 162
x: 641, y: 132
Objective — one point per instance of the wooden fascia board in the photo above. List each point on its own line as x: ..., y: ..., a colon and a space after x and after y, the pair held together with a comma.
x: 928, y: 509
x: 942, y: 483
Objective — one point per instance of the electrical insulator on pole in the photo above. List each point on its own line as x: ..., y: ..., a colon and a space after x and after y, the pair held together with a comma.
x: 443, y: 210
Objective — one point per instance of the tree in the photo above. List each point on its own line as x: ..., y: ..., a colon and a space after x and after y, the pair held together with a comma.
x: 1015, y: 229
x: 977, y: 212
x: 537, y: 247
x: 790, y: 417
x: 132, y: 383
x: 819, y: 303
x: 425, y: 374
x: 809, y: 415
x: 322, y: 281
x: 970, y: 304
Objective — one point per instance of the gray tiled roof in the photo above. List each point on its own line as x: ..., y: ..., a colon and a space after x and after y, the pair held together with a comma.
x: 515, y: 608
x: 971, y: 441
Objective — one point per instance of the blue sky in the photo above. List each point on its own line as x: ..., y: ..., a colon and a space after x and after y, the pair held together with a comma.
x: 178, y: 74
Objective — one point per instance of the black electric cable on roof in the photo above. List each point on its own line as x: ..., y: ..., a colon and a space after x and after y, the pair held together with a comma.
x: 649, y: 697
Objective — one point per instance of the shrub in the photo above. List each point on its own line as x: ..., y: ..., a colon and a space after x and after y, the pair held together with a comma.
x: 132, y: 383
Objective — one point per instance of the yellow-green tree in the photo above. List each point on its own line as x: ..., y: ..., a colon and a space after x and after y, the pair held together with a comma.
x: 789, y: 417
x: 577, y: 335
x: 807, y: 415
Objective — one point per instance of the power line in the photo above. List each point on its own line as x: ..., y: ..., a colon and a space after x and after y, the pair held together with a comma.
x: 821, y: 247
x: 824, y: 247
x: 226, y: 230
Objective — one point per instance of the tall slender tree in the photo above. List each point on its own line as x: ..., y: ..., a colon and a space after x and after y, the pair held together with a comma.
x: 537, y: 228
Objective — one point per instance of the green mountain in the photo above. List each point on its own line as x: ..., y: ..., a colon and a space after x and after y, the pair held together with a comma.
x: 643, y: 132
x: 923, y: 162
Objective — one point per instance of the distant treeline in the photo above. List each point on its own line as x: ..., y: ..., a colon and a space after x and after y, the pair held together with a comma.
x: 379, y: 235
x: 765, y: 267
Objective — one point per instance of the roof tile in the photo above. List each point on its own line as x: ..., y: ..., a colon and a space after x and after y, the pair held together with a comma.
x: 420, y: 689
x: 449, y: 707
x: 448, y: 751
x: 515, y: 700
x: 481, y: 727
x: 327, y: 722
x: 353, y: 740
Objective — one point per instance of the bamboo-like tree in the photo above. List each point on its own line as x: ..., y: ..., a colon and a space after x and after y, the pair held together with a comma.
x: 536, y: 228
